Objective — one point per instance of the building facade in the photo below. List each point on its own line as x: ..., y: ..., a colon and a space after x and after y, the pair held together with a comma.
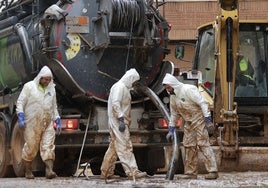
x: 186, y: 16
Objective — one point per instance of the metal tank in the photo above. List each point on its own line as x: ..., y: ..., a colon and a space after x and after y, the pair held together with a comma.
x: 95, y: 42
x: 88, y: 45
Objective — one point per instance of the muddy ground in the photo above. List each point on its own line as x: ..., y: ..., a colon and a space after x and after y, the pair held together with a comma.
x: 233, y: 179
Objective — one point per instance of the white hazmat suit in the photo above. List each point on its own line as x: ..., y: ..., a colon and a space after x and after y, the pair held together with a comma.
x: 119, y: 105
x: 40, y: 110
x: 188, y: 102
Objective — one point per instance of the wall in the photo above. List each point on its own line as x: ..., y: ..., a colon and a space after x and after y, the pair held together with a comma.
x: 186, y: 15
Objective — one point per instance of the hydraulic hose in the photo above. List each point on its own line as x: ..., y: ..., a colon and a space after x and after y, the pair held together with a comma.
x: 155, y: 99
x: 126, y: 14
x: 229, y: 49
x: 176, y: 141
x: 173, y: 164
x: 8, y: 22
x: 230, y: 59
x: 26, y: 45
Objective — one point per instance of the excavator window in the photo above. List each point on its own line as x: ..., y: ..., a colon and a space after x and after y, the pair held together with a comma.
x: 206, y: 59
x: 251, y: 74
x: 250, y: 83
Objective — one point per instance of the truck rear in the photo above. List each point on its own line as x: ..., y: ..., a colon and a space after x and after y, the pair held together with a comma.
x: 88, y: 45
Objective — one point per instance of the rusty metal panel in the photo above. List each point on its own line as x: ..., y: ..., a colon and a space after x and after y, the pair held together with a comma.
x: 77, y: 24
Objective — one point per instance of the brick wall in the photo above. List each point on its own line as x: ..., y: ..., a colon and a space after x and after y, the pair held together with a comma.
x: 185, y: 17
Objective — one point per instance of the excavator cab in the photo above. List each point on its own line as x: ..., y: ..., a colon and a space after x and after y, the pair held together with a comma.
x: 251, y: 63
x: 252, y: 48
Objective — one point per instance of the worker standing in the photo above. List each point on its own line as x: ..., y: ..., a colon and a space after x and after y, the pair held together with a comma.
x: 119, y: 120
x: 37, y: 111
x: 186, y: 101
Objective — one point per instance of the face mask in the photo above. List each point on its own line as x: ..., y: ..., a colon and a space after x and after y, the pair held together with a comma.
x: 171, y: 92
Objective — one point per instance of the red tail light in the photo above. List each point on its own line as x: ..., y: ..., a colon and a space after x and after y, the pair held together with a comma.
x: 162, y: 123
x: 68, y: 123
x: 179, y: 122
x: 207, y: 84
x: 72, y: 124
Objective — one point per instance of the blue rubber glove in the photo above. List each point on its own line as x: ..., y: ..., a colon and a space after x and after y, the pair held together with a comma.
x: 209, y: 125
x: 208, y: 119
x: 58, y: 126
x: 170, y: 135
x: 122, y: 125
x: 21, y: 121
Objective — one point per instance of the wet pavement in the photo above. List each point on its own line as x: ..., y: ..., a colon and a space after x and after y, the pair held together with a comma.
x: 232, y: 179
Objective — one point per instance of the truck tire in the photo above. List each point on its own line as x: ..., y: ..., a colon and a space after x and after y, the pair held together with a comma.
x: 151, y: 171
x: 150, y: 159
x: 5, y: 169
x: 17, y: 142
x: 95, y: 165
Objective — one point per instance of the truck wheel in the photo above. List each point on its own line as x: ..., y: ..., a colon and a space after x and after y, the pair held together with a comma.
x: 151, y: 171
x: 5, y: 169
x: 17, y: 142
x: 95, y: 165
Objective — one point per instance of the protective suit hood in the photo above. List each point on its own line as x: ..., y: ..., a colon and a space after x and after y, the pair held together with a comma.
x: 130, y: 77
x: 169, y: 79
x: 44, y: 72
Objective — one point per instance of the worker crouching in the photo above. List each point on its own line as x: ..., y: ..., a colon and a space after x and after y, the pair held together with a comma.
x: 186, y: 101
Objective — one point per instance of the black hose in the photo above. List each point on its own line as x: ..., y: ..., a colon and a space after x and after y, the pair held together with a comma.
x: 173, y: 165
x: 124, y: 11
x: 26, y: 46
x: 174, y: 160
x: 10, y: 21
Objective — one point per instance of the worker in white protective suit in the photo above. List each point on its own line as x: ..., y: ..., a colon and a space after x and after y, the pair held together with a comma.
x: 37, y: 111
x: 186, y: 101
x: 119, y: 106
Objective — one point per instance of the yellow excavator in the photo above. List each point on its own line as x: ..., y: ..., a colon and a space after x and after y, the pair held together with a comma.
x: 231, y: 66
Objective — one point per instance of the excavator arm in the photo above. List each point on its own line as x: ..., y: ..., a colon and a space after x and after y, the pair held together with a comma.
x: 230, y: 64
x: 226, y: 28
